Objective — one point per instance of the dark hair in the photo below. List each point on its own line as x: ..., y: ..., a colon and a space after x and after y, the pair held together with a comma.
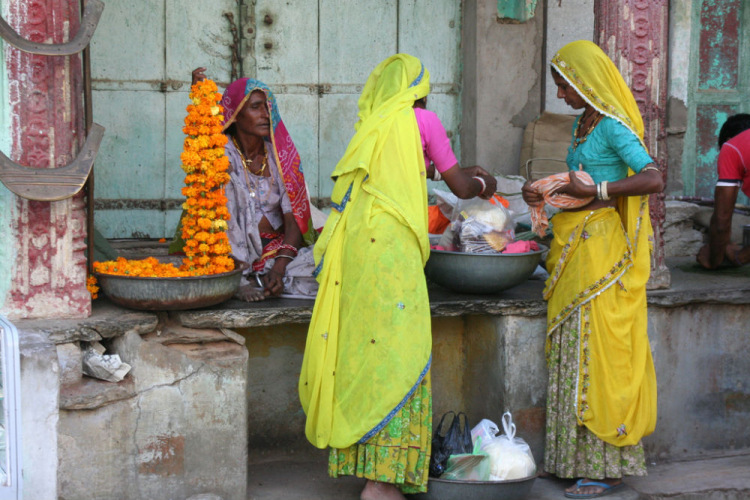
x: 734, y: 125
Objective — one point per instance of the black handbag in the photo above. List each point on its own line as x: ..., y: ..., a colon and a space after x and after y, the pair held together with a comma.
x: 453, y: 441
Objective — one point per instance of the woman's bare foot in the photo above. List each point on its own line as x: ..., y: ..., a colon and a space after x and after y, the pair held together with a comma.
x: 582, y: 488
x: 250, y: 293
x: 375, y: 490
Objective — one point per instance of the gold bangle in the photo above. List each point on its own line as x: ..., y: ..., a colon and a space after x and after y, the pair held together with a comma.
x: 650, y: 167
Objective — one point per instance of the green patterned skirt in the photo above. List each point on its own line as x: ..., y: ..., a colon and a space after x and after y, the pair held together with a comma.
x: 572, y: 450
x: 400, y: 453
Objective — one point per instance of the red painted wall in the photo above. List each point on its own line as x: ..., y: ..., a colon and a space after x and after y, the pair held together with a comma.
x: 49, y: 274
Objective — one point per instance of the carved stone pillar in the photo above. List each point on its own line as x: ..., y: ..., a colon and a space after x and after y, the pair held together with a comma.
x: 635, y: 35
x: 49, y: 272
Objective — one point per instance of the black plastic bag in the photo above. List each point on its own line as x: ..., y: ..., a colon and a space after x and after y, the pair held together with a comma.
x: 454, y: 441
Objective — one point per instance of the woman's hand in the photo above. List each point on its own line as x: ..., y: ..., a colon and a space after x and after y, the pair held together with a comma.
x: 474, y: 171
x: 491, y: 184
x: 530, y: 196
x: 576, y: 188
x: 273, y: 283
x: 199, y: 74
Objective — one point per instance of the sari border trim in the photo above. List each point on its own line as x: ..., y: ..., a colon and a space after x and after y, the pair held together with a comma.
x: 587, y: 295
x: 398, y: 407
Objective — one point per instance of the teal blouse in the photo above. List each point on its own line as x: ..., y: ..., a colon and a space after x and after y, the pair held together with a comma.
x: 608, y: 151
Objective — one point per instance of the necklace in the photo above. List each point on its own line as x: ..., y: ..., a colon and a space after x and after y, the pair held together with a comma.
x: 244, y: 161
x: 579, y: 139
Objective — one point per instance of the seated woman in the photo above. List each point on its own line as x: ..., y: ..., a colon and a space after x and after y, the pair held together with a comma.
x: 270, y: 226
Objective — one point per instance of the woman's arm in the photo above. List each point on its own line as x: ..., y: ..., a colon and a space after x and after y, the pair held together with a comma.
x: 647, y: 181
x: 272, y: 280
x: 464, y: 183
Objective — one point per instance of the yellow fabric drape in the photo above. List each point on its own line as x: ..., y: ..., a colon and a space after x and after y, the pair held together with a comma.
x: 369, y: 342
x: 592, y: 262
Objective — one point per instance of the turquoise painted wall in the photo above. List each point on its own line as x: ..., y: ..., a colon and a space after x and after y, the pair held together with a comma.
x: 7, y: 199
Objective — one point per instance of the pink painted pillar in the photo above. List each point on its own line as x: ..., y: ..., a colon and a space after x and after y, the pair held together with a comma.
x: 47, y: 126
x: 635, y: 35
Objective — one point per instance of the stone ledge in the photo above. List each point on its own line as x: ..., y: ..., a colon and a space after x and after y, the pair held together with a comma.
x: 106, y: 321
x: 89, y: 393
x: 687, y: 287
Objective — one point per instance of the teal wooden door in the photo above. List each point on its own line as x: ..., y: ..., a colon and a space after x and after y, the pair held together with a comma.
x: 314, y: 54
x: 719, y: 86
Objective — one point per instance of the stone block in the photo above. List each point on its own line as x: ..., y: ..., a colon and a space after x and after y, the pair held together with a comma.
x: 181, y: 432
x: 69, y: 358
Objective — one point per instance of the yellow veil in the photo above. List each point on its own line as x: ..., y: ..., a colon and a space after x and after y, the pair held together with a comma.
x: 369, y: 342
x: 617, y: 398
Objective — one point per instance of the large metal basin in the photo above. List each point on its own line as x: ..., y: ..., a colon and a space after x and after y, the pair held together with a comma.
x: 171, y: 294
x: 480, y: 273
x: 444, y: 489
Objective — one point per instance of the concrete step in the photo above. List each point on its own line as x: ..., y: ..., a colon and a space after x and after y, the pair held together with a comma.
x: 304, y: 476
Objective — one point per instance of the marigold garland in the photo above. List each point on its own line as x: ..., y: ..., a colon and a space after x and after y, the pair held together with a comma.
x: 91, y: 287
x: 204, y: 223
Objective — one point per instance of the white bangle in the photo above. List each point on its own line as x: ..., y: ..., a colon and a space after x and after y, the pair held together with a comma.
x: 605, y: 195
x: 484, y: 184
x: 436, y: 175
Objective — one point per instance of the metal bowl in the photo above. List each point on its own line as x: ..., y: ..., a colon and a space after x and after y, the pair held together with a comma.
x: 171, y: 294
x: 445, y: 489
x: 480, y: 273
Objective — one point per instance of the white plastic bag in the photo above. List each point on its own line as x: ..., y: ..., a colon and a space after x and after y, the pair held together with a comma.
x: 485, y: 430
x: 510, y: 457
x: 482, y: 227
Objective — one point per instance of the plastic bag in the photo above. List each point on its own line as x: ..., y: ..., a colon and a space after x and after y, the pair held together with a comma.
x: 454, y: 441
x: 481, y: 226
x: 474, y: 466
x: 485, y: 430
x: 510, y: 457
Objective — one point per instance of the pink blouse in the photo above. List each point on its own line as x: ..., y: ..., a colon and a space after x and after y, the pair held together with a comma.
x: 435, y: 144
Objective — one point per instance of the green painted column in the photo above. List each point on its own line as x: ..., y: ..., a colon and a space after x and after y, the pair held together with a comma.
x: 7, y: 199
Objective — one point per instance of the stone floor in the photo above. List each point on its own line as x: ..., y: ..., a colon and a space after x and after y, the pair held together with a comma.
x: 298, y: 476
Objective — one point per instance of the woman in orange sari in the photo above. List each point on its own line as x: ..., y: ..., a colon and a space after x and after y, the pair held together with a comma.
x: 601, y: 396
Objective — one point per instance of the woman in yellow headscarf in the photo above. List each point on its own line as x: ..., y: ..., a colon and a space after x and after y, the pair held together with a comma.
x: 601, y: 397
x: 365, y: 382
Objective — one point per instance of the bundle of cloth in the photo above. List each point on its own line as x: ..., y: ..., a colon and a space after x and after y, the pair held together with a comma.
x: 547, y: 187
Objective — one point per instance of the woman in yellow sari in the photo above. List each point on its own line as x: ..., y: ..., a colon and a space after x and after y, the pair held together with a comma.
x: 365, y: 378
x: 602, y: 386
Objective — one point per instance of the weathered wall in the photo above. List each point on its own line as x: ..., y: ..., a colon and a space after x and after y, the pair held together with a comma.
x: 566, y: 22
x: 40, y: 389
x: 44, y: 240
x: 173, y: 428
x: 486, y: 365
x: 497, y: 102
x: 680, y: 12
x: 7, y: 199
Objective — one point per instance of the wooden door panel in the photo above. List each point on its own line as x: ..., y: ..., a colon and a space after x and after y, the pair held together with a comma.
x: 131, y: 156
x: 433, y: 36
x: 198, y: 36
x: 292, y: 58
x: 354, y: 38
x: 338, y: 114
x: 719, y: 87
x: 128, y: 45
x: 719, y: 44
x: 300, y: 115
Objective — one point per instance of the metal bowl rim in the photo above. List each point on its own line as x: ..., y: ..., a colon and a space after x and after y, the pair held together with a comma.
x: 542, y: 249
x: 457, y: 481
x: 239, y: 267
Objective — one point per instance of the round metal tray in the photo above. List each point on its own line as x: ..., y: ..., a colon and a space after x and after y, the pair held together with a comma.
x: 445, y: 489
x: 171, y: 294
x: 480, y: 273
